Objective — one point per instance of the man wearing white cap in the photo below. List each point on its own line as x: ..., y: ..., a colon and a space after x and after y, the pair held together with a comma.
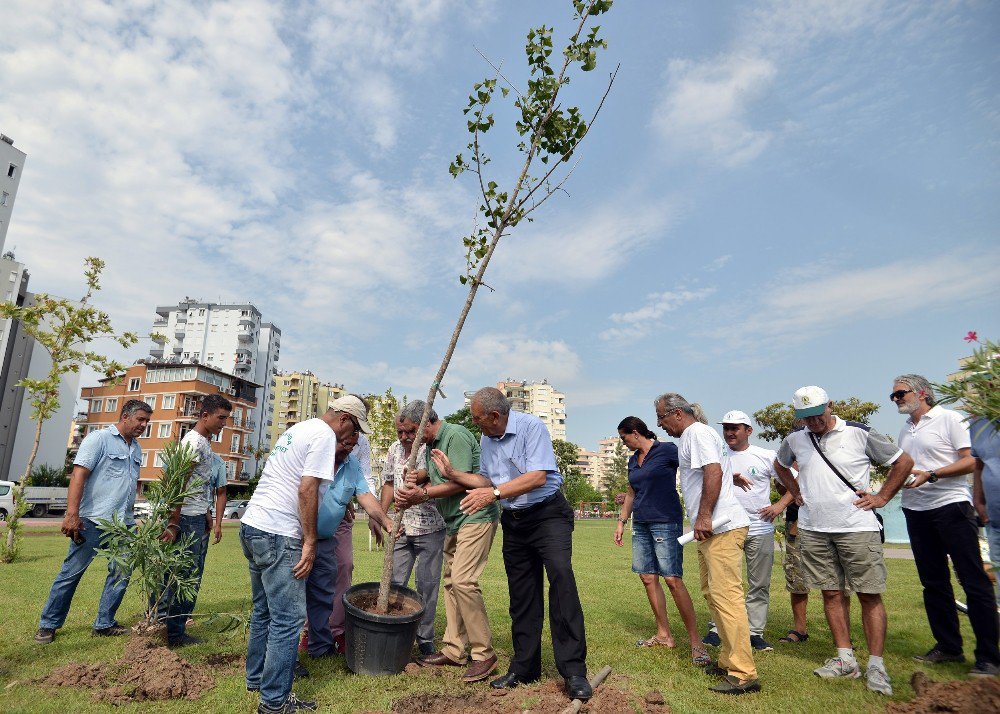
x: 753, y: 469
x: 278, y: 536
x: 839, y: 535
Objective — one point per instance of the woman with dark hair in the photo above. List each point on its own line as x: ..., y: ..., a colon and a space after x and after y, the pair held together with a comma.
x: 658, y: 521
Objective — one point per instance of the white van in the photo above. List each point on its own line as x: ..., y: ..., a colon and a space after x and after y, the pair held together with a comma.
x: 6, y: 499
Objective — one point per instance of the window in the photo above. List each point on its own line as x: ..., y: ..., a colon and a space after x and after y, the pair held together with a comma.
x: 217, y: 438
x: 197, y: 355
x: 145, y: 457
x: 163, y: 430
x: 151, y: 401
x: 185, y: 428
x: 96, y: 405
x: 235, y: 445
x: 187, y: 355
x: 112, y: 405
x: 158, y: 459
x: 211, y: 356
x: 169, y: 401
x: 147, y: 432
x: 133, y: 384
x: 5, y: 199
x: 230, y: 470
x: 11, y: 171
x: 201, y: 312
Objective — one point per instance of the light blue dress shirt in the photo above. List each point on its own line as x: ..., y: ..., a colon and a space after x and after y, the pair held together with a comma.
x: 525, y: 446
x: 218, y: 474
x: 347, y: 481
x: 114, y: 472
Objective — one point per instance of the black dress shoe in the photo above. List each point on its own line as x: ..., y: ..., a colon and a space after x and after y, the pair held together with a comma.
x: 579, y: 688
x: 511, y: 680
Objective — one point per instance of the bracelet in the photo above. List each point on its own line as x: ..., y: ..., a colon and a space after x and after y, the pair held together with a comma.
x: 427, y: 496
x: 623, y: 521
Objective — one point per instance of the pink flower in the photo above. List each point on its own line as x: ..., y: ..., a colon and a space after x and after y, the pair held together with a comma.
x: 971, y: 337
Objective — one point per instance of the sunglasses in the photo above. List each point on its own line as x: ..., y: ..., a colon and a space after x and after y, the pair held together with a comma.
x: 899, y: 394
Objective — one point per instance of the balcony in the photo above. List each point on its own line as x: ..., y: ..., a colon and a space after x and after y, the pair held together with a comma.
x: 179, y: 332
x: 246, y: 321
x: 188, y: 413
x: 181, y: 317
x: 244, y: 336
x: 158, y: 337
x: 177, y: 349
x: 156, y: 352
x: 242, y: 366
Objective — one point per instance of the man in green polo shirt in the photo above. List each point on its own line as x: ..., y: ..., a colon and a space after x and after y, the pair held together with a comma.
x: 466, y: 545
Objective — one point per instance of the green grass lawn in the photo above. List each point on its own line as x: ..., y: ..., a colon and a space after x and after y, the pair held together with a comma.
x: 614, y: 603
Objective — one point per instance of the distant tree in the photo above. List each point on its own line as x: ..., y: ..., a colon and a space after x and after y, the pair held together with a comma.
x: 464, y: 417
x: 46, y: 475
x: 64, y: 329
x: 382, y: 410
x: 615, y: 477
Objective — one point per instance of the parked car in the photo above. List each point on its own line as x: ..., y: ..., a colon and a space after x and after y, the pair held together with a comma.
x: 6, y: 499
x: 235, y: 509
x: 142, y: 509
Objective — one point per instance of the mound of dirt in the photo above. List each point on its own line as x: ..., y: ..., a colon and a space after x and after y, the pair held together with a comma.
x: 546, y: 697
x: 972, y: 696
x: 146, y: 671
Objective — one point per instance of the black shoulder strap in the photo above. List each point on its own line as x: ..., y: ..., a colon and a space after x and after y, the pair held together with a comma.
x: 815, y: 442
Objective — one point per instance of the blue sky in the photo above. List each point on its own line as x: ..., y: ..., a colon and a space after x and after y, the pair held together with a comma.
x: 776, y: 193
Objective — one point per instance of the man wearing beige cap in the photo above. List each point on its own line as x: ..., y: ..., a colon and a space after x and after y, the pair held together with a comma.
x: 278, y: 536
x: 839, y: 535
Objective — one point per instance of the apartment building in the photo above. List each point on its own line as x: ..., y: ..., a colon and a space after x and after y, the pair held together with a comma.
x: 589, y: 463
x: 298, y: 396
x: 230, y: 337
x: 538, y: 398
x: 11, y: 164
x: 175, y: 391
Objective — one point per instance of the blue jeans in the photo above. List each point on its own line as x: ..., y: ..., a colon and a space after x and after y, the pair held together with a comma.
x: 78, y: 559
x: 655, y: 550
x: 178, y: 611
x: 993, y: 538
x: 279, y: 611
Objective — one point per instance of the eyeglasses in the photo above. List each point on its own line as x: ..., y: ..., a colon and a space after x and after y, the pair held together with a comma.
x: 662, y: 417
x: 899, y: 394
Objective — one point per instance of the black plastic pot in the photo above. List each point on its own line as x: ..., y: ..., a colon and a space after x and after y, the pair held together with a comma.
x: 380, y: 644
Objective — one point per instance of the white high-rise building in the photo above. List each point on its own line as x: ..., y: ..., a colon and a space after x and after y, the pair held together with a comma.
x: 230, y: 337
x: 11, y: 164
x: 538, y: 398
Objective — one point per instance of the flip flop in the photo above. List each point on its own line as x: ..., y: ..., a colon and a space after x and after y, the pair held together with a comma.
x: 653, y: 642
x: 700, y: 657
x: 798, y: 637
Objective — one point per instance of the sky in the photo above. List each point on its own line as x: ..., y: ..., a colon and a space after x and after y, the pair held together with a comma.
x: 774, y: 194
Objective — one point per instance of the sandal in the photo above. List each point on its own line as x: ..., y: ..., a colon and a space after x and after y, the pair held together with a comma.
x: 700, y: 657
x: 798, y: 637
x: 654, y: 642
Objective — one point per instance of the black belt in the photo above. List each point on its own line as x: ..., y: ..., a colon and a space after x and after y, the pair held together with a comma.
x: 527, y: 510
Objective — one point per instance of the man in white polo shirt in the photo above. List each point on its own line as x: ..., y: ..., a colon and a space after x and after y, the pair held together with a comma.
x: 278, y: 535
x: 839, y: 535
x: 753, y: 469
x: 941, y: 522
x: 706, y: 478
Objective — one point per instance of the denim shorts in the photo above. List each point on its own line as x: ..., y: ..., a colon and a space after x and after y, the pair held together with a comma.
x: 655, y: 550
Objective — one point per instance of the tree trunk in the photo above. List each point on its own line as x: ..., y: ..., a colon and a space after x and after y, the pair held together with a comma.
x: 13, y: 525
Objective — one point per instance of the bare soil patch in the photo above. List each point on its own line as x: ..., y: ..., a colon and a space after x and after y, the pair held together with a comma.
x: 225, y: 660
x: 973, y: 696
x: 146, y: 671
x: 397, y: 606
x: 541, y: 698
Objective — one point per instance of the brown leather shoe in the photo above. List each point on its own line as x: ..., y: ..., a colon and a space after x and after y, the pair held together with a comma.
x: 478, y: 671
x: 438, y: 659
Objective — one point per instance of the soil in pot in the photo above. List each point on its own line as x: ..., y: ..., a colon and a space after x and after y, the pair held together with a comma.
x: 398, y: 606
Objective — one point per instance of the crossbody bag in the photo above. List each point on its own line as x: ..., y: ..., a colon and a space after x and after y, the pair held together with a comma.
x: 878, y: 516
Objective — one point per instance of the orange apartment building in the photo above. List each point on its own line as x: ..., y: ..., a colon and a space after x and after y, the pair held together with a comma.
x: 175, y: 391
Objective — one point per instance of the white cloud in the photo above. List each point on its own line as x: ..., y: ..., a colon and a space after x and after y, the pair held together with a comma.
x: 705, y: 109
x: 794, y: 313
x: 646, y: 319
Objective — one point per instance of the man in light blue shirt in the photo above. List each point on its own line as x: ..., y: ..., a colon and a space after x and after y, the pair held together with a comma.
x: 102, y: 486
x: 519, y: 470
x: 321, y: 587
x: 986, y: 486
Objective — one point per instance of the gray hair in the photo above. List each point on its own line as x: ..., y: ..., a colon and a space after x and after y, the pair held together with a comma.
x: 919, y: 384
x: 134, y: 405
x: 414, y: 411
x: 491, y: 400
x: 672, y: 400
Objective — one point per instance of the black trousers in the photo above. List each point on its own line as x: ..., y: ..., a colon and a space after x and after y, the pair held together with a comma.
x: 951, y: 530
x: 542, y: 538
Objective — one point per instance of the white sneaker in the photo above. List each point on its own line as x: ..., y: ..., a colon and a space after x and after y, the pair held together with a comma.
x: 837, y: 667
x: 878, y: 681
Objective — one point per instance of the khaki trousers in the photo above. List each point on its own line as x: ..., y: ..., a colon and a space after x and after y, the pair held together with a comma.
x: 720, y: 563
x: 465, y: 555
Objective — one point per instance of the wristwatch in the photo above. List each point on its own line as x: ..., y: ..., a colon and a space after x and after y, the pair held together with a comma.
x: 933, y: 477
x: 496, y: 493
x: 623, y: 521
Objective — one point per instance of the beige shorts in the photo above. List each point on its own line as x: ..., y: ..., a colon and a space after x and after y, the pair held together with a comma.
x: 843, y: 561
x: 794, y: 581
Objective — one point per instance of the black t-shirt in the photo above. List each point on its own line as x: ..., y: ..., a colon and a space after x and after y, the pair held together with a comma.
x: 655, y: 485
